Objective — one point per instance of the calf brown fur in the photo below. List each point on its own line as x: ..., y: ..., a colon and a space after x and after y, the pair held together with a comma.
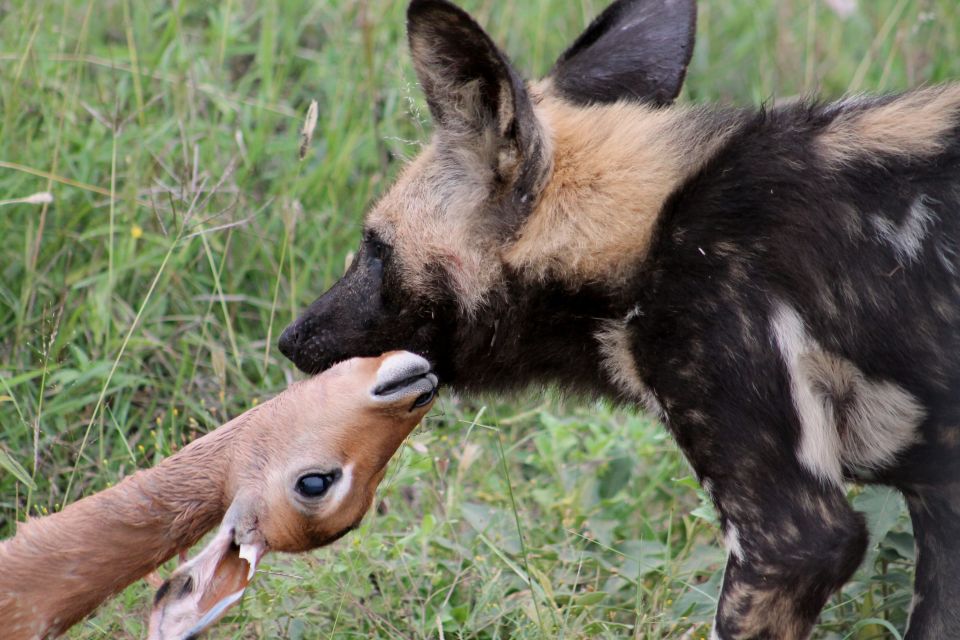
x: 293, y: 474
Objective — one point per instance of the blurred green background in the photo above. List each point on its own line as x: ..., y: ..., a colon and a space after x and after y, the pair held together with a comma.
x: 142, y: 306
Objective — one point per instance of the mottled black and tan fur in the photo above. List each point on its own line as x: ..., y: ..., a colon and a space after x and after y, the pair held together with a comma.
x: 781, y: 286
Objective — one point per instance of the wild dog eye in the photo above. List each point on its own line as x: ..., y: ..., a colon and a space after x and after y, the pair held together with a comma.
x: 378, y: 249
x: 314, y: 485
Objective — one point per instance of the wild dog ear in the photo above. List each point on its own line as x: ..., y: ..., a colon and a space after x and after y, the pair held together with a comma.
x: 472, y: 89
x: 635, y: 49
x: 468, y: 81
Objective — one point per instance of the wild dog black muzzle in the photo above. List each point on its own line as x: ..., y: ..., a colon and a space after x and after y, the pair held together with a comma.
x: 360, y: 316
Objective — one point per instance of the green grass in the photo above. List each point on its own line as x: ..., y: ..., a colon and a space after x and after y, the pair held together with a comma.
x: 142, y: 307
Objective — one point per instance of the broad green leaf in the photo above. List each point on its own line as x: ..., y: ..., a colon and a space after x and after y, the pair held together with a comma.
x: 902, y: 542
x: 15, y: 469
x: 615, y: 476
x: 882, y: 506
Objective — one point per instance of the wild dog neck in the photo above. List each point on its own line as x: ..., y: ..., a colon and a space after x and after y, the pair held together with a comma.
x: 610, y: 168
x: 614, y: 166
x: 567, y: 269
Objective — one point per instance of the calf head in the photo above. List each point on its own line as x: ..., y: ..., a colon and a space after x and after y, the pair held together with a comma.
x: 302, y: 473
x: 430, y: 275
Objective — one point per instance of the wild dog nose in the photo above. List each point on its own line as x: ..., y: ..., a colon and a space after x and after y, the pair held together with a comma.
x: 289, y: 340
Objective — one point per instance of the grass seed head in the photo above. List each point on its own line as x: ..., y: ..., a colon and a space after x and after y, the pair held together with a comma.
x: 43, y: 197
x: 309, y: 125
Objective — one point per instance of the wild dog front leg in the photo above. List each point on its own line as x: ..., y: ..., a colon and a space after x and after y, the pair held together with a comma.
x: 793, y: 542
x: 753, y: 435
x: 792, y: 536
x: 784, y: 567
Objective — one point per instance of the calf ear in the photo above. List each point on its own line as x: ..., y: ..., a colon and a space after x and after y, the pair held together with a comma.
x: 635, y: 49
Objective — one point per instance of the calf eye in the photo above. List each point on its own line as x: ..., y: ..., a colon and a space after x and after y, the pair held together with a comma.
x: 314, y: 485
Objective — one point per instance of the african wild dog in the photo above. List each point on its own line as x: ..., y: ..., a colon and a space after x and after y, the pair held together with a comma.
x: 781, y: 286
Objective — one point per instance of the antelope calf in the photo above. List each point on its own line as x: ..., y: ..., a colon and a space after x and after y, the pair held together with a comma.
x: 781, y: 286
x: 293, y: 474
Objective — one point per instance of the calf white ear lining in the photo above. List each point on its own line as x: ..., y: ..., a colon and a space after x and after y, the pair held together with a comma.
x: 214, y: 613
x: 399, y: 367
x: 219, y: 577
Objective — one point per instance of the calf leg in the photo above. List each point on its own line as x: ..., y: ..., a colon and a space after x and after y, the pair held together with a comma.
x: 935, y: 512
x: 792, y: 545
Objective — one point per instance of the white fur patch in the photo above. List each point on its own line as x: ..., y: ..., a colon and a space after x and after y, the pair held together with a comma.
x: 845, y: 418
x: 708, y: 487
x: 877, y: 420
x: 947, y: 255
x: 819, y: 441
x: 341, y: 489
x: 731, y: 539
x: 916, y: 599
x: 617, y: 361
x: 908, y: 237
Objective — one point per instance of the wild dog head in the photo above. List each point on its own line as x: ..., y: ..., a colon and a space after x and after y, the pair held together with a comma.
x: 446, y: 267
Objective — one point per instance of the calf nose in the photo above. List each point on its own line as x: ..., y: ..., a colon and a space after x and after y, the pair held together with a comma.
x: 289, y: 340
